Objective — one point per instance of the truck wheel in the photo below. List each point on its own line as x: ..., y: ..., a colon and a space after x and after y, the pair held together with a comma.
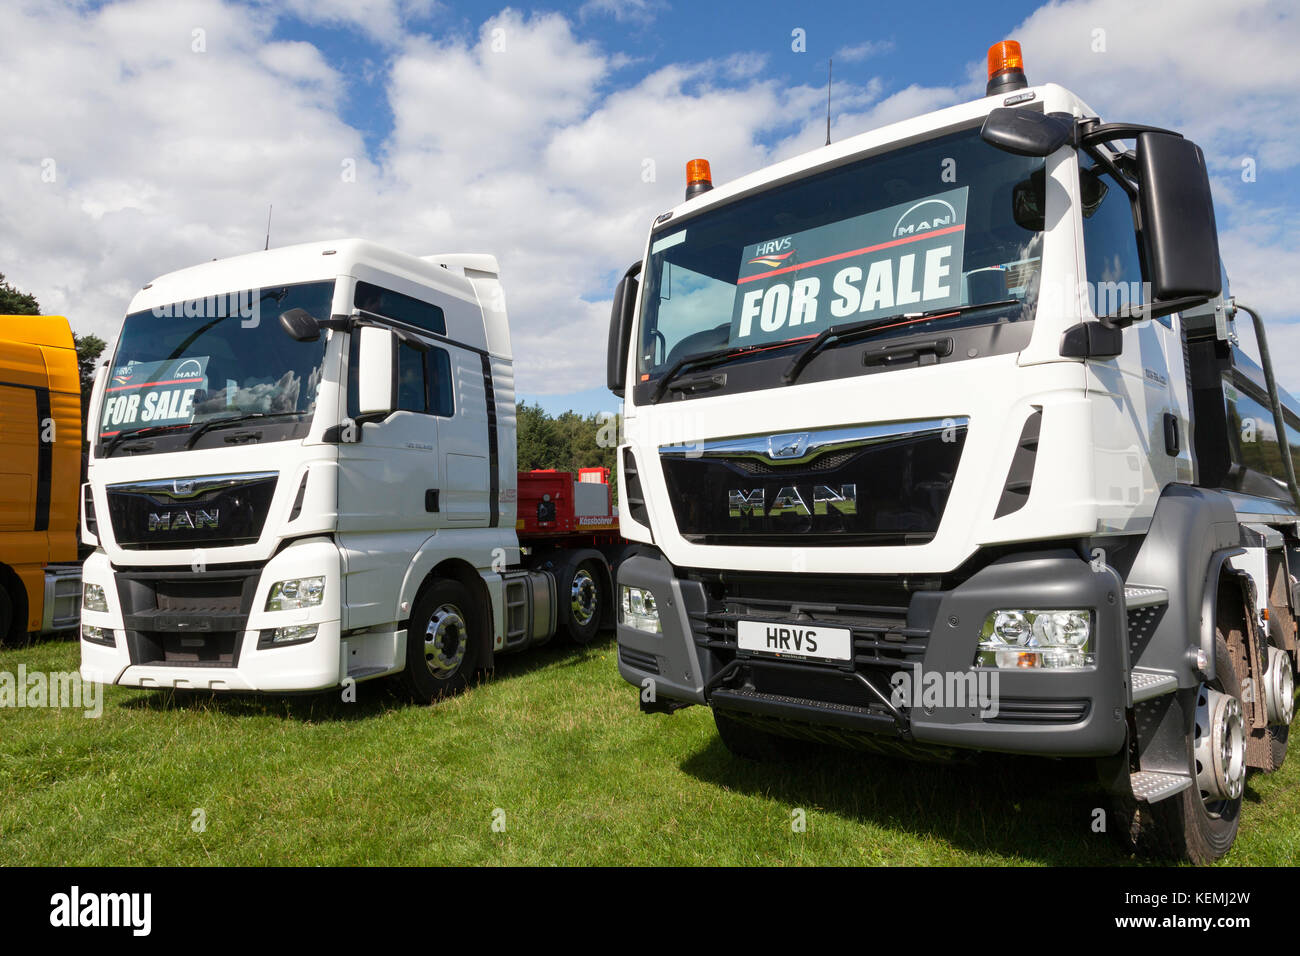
x: 743, y: 740
x: 1284, y: 688
x: 1200, y: 824
x: 442, y: 642
x: 582, y: 602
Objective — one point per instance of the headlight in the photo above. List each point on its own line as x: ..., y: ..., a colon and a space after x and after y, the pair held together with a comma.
x: 638, y: 609
x: 98, y: 635
x: 281, y: 636
x: 93, y: 598
x: 295, y: 593
x: 1052, y: 640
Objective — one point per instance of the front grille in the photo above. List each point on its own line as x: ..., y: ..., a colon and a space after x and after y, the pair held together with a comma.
x: 639, y: 659
x: 887, y: 636
x: 207, y: 511
x: 881, y: 636
x: 1033, y: 710
x: 865, y: 485
x: 181, y: 617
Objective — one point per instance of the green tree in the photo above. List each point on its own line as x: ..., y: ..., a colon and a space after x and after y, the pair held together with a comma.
x: 566, y: 442
x: 14, y: 302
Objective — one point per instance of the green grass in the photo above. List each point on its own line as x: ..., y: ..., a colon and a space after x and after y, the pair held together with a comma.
x: 554, y: 740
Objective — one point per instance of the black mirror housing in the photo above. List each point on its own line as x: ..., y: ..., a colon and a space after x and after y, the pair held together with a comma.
x: 1179, y: 235
x: 1027, y: 132
x: 301, y: 325
x: 620, y: 330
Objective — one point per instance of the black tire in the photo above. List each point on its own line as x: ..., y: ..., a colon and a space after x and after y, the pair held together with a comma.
x: 443, y: 642
x: 583, y: 596
x: 1186, y: 826
x: 6, y: 616
x: 1278, y: 738
x: 748, y: 742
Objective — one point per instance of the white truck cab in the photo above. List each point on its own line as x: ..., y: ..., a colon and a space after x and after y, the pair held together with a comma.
x: 303, y: 473
x: 948, y: 407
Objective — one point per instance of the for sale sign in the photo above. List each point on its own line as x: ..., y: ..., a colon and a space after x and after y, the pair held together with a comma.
x: 153, y: 393
x: 907, y: 258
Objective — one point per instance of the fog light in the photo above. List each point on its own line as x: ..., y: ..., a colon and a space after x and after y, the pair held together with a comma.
x: 98, y: 635
x: 638, y: 609
x: 295, y: 593
x: 1044, y: 639
x: 284, y: 636
x: 93, y: 598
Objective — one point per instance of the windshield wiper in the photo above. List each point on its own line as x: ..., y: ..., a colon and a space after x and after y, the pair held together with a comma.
x: 857, y: 330
x: 707, y: 360
x: 212, y: 423
x: 133, y: 433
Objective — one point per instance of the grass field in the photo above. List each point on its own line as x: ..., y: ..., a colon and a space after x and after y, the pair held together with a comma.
x: 554, y: 749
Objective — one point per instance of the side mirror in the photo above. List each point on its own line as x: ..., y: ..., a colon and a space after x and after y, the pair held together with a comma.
x: 621, y: 317
x: 376, y: 365
x: 96, y: 403
x: 1026, y: 132
x: 1179, y: 235
x: 300, y: 324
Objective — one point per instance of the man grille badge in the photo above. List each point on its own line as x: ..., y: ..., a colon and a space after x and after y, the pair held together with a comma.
x: 787, y: 446
x: 183, y: 486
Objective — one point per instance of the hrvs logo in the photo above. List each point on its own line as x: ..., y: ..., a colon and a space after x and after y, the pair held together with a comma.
x: 792, y: 499
x: 184, y: 520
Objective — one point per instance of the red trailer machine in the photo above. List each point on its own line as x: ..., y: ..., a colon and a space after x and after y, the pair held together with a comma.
x: 568, y: 525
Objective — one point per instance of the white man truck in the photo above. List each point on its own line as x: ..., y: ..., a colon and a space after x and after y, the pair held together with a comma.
x: 941, y: 437
x: 302, y: 473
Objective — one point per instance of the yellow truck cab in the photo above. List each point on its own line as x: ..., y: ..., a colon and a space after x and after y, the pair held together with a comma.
x: 40, y: 468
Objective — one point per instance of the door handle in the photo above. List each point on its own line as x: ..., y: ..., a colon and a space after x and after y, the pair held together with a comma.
x: 431, y: 499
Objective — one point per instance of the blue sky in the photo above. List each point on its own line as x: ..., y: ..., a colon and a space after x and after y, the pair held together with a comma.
x: 168, y: 156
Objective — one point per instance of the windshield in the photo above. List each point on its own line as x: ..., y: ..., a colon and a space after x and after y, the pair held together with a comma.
x: 948, y: 223
x: 226, y: 356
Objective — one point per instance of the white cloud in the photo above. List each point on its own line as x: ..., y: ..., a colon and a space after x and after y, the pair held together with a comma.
x: 863, y: 51
x: 510, y: 140
x: 626, y: 11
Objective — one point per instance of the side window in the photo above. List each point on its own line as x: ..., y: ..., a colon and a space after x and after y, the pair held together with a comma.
x: 411, y: 390
x: 1112, y: 259
x: 402, y: 308
x: 440, y: 384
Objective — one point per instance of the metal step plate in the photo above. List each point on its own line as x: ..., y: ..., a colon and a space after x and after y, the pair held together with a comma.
x: 1147, y: 684
x: 1142, y: 595
x: 1150, y: 786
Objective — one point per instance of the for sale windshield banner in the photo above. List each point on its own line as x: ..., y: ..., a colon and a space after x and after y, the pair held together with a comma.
x: 152, y: 393
x: 907, y: 258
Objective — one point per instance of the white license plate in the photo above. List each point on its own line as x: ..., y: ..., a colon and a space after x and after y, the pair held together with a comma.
x: 795, y: 640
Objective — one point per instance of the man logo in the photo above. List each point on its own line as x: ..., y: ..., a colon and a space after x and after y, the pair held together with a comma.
x: 183, y: 486
x: 926, y: 215
x: 184, y: 520
x: 782, y: 447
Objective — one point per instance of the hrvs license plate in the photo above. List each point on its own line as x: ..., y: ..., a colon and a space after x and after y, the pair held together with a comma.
x: 795, y: 640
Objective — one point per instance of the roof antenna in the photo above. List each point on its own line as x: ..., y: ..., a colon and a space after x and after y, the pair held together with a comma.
x: 829, y: 65
x: 268, y: 227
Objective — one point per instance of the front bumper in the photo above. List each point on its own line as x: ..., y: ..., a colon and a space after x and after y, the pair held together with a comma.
x: 177, y: 627
x: 1059, y: 713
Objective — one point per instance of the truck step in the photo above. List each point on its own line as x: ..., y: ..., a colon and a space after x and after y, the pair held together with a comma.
x: 1147, y: 683
x: 1150, y: 786
x: 1143, y: 595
